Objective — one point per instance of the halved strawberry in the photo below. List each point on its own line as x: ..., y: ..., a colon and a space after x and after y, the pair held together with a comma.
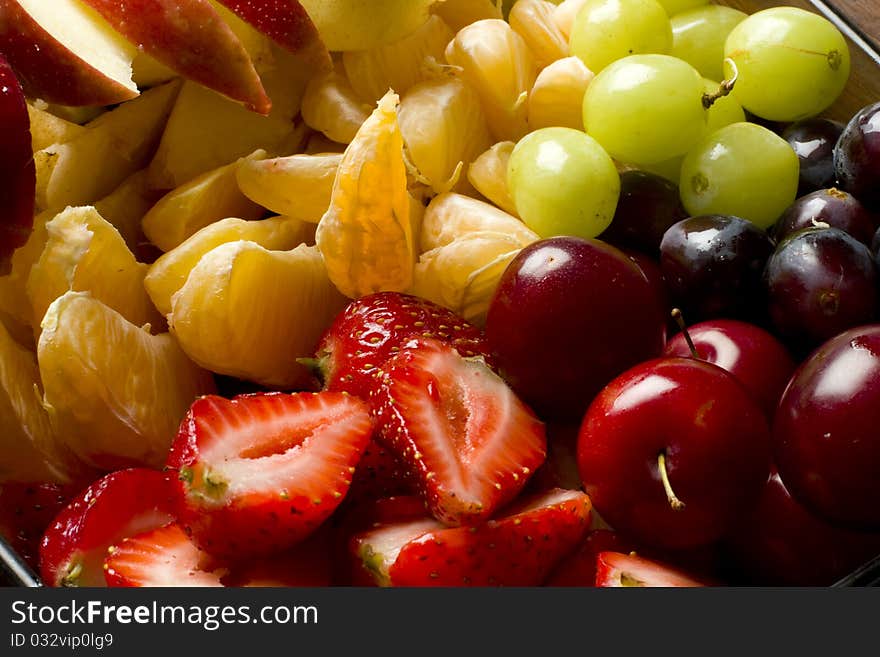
x: 615, y: 569
x: 259, y: 473
x: 517, y: 549
x: 373, y: 328
x: 119, y: 505
x: 463, y: 433
x: 579, y: 568
x: 161, y: 557
x: 380, y: 474
x: 26, y: 509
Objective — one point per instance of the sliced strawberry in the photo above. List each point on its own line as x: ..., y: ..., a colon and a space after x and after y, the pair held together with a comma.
x: 380, y: 474
x: 579, y: 568
x: 261, y: 472
x: 615, y: 569
x: 26, y: 509
x: 517, y: 549
x: 307, y: 564
x: 116, y: 506
x: 462, y: 432
x: 373, y: 328
x: 160, y: 557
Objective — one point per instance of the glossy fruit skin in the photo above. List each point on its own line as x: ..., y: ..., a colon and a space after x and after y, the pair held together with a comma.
x: 832, y: 206
x: 567, y: 317
x: 712, y: 266
x: 715, y: 439
x: 759, y: 361
x: 820, y: 281
x: 813, y: 141
x: 825, y: 431
x: 857, y: 156
x: 781, y: 543
x: 648, y: 205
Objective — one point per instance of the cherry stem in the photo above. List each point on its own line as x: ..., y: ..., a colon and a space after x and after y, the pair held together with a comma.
x: 724, y: 89
x: 674, y: 502
x: 679, y: 319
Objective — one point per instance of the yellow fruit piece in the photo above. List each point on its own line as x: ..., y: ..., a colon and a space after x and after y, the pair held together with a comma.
x: 251, y: 313
x: 557, y: 99
x: 365, y: 24
x: 168, y: 274
x: 367, y: 236
x: 331, y: 106
x: 206, y: 131
x: 207, y: 198
x: 148, y: 72
x: 297, y: 185
x: 459, y: 14
x: 319, y: 144
x: 399, y: 65
x: 496, y: 61
x: 115, y: 394
x: 14, y: 299
x: 29, y: 450
x: 451, y: 216
x: 463, y: 274
x: 444, y: 129
x: 533, y: 21
x: 566, y: 12
x: 48, y: 129
x: 113, y: 146
x: 86, y: 253
x: 126, y: 206
x: 488, y: 175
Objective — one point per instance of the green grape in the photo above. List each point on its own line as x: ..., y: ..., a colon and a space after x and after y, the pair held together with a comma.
x: 645, y: 109
x: 791, y: 64
x: 698, y: 37
x: 669, y: 169
x: 607, y: 30
x: 563, y: 183
x: 743, y: 170
x: 724, y: 110
x: 673, y: 7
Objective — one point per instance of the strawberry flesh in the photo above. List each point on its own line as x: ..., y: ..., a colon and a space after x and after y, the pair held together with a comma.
x: 165, y: 556
x: 259, y: 473
x: 26, y: 509
x: 119, y: 505
x: 615, y: 569
x: 466, y: 437
x: 579, y: 568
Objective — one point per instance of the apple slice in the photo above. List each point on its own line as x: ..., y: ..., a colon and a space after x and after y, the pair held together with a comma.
x: 17, y: 169
x: 287, y: 23
x: 66, y: 53
x: 48, y: 129
x: 192, y: 39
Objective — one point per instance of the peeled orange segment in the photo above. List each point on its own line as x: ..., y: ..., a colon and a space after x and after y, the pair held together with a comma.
x: 297, y: 186
x: 461, y: 13
x: 192, y: 206
x: 14, y: 299
x: 126, y: 206
x: 249, y: 312
x: 84, y: 252
x: 463, y: 274
x: 331, y: 106
x: 533, y: 21
x: 557, y: 99
x: 168, y: 274
x: 399, y: 65
x: 367, y: 235
x: 115, y: 394
x: 29, y: 450
x: 444, y: 129
x: 566, y: 12
x: 488, y: 175
x: 451, y: 216
x: 496, y: 61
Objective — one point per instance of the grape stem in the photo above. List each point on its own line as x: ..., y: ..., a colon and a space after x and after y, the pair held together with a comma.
x: 674, y: 502
x: 724, y: 89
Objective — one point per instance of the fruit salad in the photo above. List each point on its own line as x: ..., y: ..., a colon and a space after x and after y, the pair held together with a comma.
x: 436, y: 293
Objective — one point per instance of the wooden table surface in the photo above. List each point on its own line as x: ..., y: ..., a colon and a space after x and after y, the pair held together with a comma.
x: 864, y: 14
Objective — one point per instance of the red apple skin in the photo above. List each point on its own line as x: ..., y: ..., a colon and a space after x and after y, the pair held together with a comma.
x: 192, y: 39
x: 755, y: 358
x: 17, y: 169
x: 47, y: 69
x: 287, y: 23
x: 825, y: 432
x: 781, y: 543
x: 716, y: 445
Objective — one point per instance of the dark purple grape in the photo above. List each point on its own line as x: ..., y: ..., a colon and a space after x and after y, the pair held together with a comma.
x: 857, y: 156
x: 648, y: 205
x: 820, y: 282
x: 813, y: 140
x: 712, y: 266
x: 834, y: 207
